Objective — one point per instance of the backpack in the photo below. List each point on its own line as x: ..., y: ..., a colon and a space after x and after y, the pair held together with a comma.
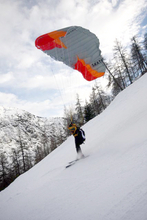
x: 82, y: 135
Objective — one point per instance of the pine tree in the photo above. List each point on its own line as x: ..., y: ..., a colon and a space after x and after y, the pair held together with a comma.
x: 69, y: 116
x: 79, y: 112
x: 101, y: 97
x: 88, y: 112
x: 94, y: 102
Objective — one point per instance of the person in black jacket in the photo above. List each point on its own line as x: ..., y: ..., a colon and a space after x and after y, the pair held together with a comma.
x: 79, y: 135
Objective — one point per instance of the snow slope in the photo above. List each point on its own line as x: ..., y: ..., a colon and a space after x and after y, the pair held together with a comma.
x: 110, y: 184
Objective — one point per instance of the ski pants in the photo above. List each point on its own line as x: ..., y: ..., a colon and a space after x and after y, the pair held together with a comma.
x: 78, y: 148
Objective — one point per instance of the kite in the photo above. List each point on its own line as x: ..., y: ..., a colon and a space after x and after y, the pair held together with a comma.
x: 75, y: 46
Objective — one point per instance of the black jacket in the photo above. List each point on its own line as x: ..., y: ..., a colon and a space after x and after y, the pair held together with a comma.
x: 79, y: 136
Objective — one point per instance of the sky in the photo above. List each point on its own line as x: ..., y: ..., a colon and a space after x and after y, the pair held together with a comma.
x: 31, y: 80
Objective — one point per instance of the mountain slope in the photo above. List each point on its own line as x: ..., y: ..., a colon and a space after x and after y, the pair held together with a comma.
x: 16, y: 124
x: 110, y: 184
x: 25, y: 139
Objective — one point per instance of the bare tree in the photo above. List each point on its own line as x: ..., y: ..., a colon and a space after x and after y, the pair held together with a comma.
x: 138, y: 57
x: 121, y: 56
x: 111, y: 77
x: 15, y: 163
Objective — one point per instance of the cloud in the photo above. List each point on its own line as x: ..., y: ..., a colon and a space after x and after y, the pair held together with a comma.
x: 26, y: 70
x: 46, y: 108
x: 6, y: 79
x: 120, y: 22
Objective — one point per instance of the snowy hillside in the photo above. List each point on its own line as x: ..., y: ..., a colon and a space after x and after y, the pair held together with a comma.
x: 16, y: 122
x: 110, y: 184
x: 25, y: 139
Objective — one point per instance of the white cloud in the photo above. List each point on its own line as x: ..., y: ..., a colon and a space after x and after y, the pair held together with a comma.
x: 23, y: 67
x: 6, y: 78
x: 46, y: 108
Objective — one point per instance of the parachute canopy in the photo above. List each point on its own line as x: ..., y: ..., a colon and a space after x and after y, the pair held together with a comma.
x: 76, y: 47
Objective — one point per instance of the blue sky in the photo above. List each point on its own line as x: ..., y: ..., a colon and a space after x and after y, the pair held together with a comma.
x: 31, y: 80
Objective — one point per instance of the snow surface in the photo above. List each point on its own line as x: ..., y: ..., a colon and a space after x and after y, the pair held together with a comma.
x: 110, y: 184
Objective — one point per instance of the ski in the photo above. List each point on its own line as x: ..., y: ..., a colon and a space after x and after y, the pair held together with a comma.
x: 71, y: 163
x: 74, y: 161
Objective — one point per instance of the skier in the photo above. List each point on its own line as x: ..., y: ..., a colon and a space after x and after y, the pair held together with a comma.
x: 79, y: 135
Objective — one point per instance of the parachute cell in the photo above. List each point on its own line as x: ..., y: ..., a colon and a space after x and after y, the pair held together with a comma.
x: 76, y: 47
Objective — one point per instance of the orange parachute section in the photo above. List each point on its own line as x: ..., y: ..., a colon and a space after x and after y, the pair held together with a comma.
x: 76, y: 47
